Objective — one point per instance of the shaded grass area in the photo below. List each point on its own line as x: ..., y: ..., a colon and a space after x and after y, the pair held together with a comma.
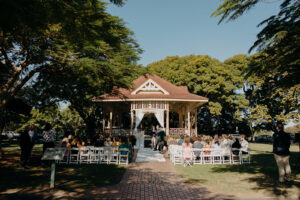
x: 259, y: 179
x: 69, y: 178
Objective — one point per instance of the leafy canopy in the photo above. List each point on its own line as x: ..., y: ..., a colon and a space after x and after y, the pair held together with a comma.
x: 278, y: 42
x: 211, y: 78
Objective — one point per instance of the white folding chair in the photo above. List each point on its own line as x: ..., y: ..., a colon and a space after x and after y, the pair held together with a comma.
x: 95, y: 155
x: 171, y: 151
x: 187, y: 156
x: 105, y: 156
x: 226, y: 156
x: 245, y: 157
x: 65, y: 159
x: 235, y: 156
x: 206, y: 156
x: 123, y: 156
x: 197, y: 156
x: 216, y: 156
x: 74, y: 156
x: 178, y: 159
x: 84, y: 155
x: 114, y: 155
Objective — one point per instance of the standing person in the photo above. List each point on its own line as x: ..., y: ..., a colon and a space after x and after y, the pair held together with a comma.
x: 281, y: 150
x: 48, y: 137
x: 26, y: 145
x: 153, y: 141
x: 161, y: 139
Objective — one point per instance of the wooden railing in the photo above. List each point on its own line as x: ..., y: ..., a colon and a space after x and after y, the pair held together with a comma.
x: 181, y: 131
x: 118, y: 131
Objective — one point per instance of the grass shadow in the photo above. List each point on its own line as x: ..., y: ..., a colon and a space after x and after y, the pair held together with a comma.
x: 20, y: 183
x: 265, y: 172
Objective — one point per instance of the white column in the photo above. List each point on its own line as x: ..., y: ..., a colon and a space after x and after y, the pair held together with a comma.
x: 131, y: 122
x: 103, y: 124
x: 167, y: 123
x: 196, y: 122
x: 189, y: 122
x: 110, y: 122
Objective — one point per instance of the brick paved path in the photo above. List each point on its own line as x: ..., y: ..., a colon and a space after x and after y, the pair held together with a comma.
x: 153, y: 180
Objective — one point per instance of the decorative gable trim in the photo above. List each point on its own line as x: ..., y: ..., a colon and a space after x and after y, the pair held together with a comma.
x: 150, y: 87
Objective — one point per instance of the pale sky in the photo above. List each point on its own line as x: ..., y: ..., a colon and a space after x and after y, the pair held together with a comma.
x: 183, y: 27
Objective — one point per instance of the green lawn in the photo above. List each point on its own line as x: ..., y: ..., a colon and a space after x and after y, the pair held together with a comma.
x: 69, y: 178
x: 259, y: 179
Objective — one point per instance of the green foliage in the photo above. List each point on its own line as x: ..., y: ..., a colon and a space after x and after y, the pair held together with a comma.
x: 60, y: 120
x: 293, y: 129
x: 278, y: 42
x: 211, y: 78
x: 272, y: 84
x: 232, y: 9
x: 64, y: 51
x: 269, y: 102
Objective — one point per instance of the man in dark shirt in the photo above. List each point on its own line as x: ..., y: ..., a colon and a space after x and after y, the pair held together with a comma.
x: 281, y: 146
x: 161, y: 139
x: 26, y: 144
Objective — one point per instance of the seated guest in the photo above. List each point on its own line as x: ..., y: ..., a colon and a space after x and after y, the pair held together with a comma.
x: 116, y: 142
x: 171, y: 141
x: 181, y: 141
x: 225, y: 145
x: 108, y: 142
x: 82, y: 142
x: 216, y: 138
x: 70, y: 137
x: 75, y: 143
x: 216, y: 148
x: 89, y: 142
x: 125, y: 144
x: 65, y: 141
x: 231, y: 141
x: 99, y: 141
x: 244, y: 145
x: 208, y: 146
x: 187, y: 147
x: 236, y: 145
x: 197, y: 144
x: 216, y: 145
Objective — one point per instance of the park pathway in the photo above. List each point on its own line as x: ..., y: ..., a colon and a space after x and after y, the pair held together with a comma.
x: 154, y: 180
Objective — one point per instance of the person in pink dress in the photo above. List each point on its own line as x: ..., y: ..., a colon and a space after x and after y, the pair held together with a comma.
x: 187, y: 147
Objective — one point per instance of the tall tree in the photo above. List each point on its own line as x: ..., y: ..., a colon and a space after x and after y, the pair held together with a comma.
x: 278, y: 41
x: 45, y: 36
x: 211, y: 78
x: 269, y: 102
x: 69, y: 50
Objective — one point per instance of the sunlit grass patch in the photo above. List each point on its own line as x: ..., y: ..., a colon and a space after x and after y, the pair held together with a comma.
x: 259, y: 179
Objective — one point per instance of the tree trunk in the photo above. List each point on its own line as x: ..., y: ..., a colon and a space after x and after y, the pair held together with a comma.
x: 91, y: 126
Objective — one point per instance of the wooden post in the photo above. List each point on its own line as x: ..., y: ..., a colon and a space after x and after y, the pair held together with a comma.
x: 167, y: 123
x: 131, y: 122
x: 189, y: 122
x: 103, y: 123
x: 180, y: 119
x: 52, y: 176
x: 196, y: 122
x: 110, y: 122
